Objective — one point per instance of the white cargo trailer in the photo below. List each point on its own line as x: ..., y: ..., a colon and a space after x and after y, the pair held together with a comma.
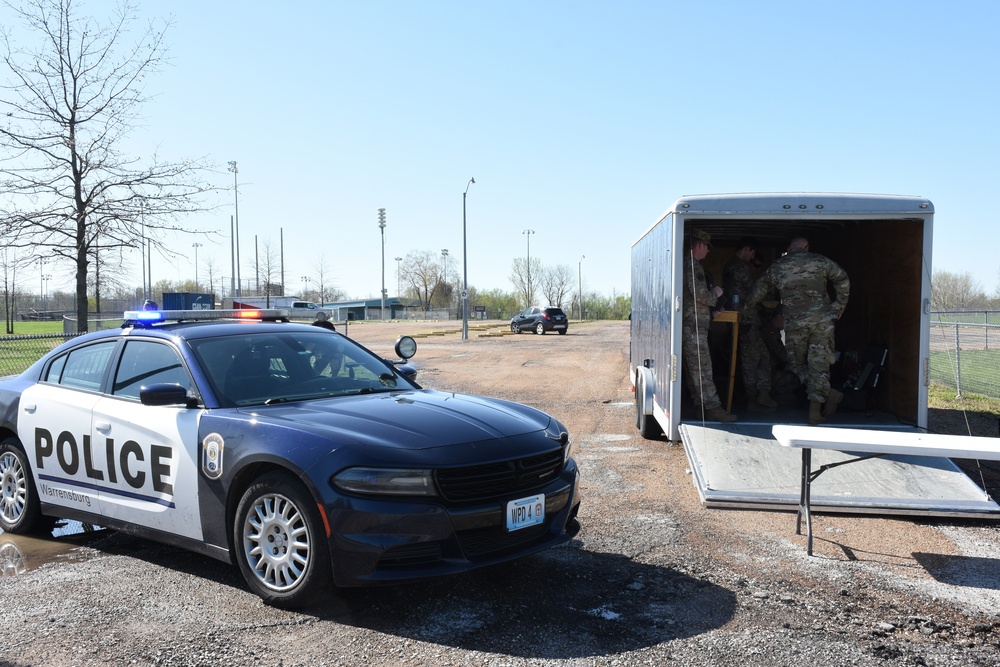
x: 884, y: 244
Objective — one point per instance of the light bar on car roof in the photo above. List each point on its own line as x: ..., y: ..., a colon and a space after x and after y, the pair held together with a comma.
x: 152, y: 316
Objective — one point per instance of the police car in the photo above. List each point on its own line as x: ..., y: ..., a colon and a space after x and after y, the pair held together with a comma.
x: 286, y: 448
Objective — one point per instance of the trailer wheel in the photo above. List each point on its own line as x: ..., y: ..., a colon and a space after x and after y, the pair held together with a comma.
x: 648, y: 427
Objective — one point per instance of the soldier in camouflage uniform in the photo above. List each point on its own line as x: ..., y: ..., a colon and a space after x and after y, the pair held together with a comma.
x: 755, y: 361
x: 699, y: 299
x: 801, y: 278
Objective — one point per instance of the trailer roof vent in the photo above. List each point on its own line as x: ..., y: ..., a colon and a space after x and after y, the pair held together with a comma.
x: 819, y: 206
x: 786, y: 206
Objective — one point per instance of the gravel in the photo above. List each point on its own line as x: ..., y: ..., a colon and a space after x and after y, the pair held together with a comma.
x: 652, y: 579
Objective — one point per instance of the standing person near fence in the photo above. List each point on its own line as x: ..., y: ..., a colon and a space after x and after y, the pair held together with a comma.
x: 802, y: 279
x: 699, y: 300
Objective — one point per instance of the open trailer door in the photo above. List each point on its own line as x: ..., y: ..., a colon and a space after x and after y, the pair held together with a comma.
x: 742, y: 465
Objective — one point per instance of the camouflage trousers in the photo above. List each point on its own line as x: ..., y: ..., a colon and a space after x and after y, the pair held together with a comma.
x: 755, y: 361
x: 810, y: 355
x: 698, y: 367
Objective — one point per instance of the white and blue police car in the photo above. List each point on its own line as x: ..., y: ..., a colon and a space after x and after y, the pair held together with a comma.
x: 288, y: 449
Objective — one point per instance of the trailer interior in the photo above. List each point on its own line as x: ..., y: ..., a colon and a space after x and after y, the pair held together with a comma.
x: 885, y: 262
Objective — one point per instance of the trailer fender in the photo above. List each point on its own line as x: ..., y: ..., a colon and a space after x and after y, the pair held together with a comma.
x: 645, y: 385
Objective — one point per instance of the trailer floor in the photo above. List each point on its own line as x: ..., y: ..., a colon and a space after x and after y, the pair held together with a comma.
x: 741, y: 465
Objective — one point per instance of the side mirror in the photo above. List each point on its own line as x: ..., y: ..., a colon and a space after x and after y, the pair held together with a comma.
x: 409, y: 372
x: 163, y: 393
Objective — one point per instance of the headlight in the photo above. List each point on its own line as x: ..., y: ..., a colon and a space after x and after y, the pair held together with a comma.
x: 386, y: 481
x: 562, y: 437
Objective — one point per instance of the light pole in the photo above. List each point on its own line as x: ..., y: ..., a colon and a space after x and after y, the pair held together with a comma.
x: 465, y: 268
x: 579, y: 274
x: 305, y: 281
x: 444, y: 262
x: 399, y: 284
x: 528, y: 233
x: 45, y: 293
x: 41, y: 281
x: 142, y: 260
x: 381, y: 226
x: 196, y: 246
x: 236, y: 201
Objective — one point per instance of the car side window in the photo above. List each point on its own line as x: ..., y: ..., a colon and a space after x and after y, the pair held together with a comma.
x: 83, y: 367
x: 147, y: 362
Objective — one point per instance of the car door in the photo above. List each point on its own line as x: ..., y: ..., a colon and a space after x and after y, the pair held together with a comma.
x: 152, y: 450
x: 54, y: 425
x: 526, y: 318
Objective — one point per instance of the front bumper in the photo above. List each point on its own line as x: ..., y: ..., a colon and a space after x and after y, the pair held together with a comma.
x: 381, y: 541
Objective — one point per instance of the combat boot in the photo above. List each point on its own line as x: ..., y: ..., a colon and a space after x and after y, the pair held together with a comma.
x: 833, y: 399
x: 815, y: 416
x: 757, y: 406
x: 764, y: 398
x: 719, y: 415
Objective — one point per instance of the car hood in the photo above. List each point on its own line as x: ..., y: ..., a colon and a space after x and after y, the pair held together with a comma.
x: 406, y: 419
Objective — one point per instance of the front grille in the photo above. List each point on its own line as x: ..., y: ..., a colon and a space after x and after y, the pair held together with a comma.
x: 483, y: 482
x: 493, y: 542
x: 410, y: 555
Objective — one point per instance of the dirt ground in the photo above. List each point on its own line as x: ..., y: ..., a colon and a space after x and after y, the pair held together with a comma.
x: 653, y: 578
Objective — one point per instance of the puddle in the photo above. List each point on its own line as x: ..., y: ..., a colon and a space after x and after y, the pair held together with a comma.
x: 20, y: 554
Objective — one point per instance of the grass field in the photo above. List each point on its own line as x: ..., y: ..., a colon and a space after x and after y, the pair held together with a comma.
x: 30, y: 328
x: 979, y: 371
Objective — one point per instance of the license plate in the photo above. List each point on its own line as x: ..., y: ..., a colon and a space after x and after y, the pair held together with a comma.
x: 525, y: 512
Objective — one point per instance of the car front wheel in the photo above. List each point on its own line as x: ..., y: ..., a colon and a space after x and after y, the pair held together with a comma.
x: 279, y: 542
x: 515, y: 328
x: 539, y: 328
x: 20, y: 512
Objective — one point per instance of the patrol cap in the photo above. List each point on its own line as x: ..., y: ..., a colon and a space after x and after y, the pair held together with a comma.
x: 701, y: 235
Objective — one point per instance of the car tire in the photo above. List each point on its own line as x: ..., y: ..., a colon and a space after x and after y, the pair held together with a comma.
x: 563, y: 331
x: 514, y: 328
x: 278, y: 513
x: 540, y: 329
x: 20, y: 509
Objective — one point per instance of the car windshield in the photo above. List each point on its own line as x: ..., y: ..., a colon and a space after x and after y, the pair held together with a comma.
x: 290, y: 365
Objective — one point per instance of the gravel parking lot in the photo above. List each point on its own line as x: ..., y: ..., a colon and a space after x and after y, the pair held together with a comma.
x: 653, y: 578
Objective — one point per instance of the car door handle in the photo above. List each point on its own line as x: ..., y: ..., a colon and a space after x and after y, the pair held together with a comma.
x: 103, y: 427
x: 30, y: 408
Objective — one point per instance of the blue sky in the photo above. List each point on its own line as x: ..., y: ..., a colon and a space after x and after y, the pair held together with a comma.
x: 582, y: 121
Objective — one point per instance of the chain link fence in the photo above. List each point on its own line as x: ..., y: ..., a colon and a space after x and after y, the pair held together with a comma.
x: 965, y: 352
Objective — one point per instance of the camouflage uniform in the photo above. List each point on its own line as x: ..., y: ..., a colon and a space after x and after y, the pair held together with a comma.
x: 698, y: 302
x: 755, y: 361
x: 801, y: 278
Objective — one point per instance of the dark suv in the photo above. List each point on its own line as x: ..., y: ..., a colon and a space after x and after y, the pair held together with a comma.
x: 540, y: 320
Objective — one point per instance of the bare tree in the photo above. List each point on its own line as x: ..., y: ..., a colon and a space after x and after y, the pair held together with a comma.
x: 327, y: 292
x: 556, y: 282
x: 422, y: 273
x: 267, y: 268
x: 70, y: 104
x: 524, y: 280
x: 956, y: 291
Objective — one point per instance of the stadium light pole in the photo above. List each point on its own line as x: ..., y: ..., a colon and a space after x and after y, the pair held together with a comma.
x: 381, y: 226
x: 579, y: 275
x: 528, y: 233
x: 399, y: 284
x: 465, y: 267
x: 236, y: 200
x: 196, y: 246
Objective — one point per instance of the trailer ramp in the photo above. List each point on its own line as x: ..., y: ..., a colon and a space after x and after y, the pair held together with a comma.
x: 741, y: 465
